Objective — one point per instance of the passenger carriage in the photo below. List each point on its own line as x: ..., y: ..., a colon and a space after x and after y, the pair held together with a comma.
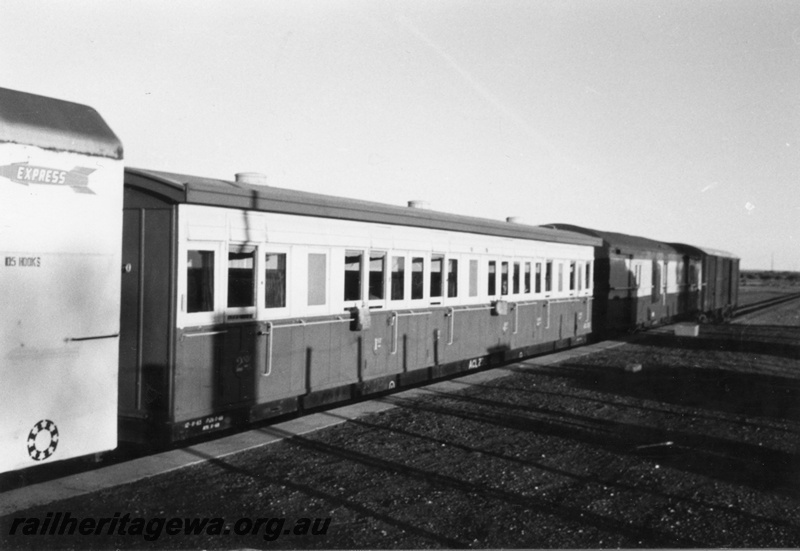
x: 243, y: 301
x: 639, y: 282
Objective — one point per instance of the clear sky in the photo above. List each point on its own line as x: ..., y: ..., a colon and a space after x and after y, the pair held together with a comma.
x: 676, y: 120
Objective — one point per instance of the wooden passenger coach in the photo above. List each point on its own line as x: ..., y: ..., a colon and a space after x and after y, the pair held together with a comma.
x: 641, y: 282
x: 242, y: 302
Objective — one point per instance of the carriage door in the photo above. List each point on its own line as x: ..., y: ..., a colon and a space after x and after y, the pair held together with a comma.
x: 236, y: 371
x: 621, y: 286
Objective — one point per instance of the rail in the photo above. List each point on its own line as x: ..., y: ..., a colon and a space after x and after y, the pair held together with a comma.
x: 763, y: 304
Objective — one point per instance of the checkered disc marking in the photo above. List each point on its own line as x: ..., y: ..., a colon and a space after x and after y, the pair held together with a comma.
x: 42, y: 440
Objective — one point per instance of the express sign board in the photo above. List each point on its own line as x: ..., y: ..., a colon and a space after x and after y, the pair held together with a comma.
x: 25, y: 174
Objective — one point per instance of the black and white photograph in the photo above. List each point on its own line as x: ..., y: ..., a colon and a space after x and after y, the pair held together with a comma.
x: 402, y: 274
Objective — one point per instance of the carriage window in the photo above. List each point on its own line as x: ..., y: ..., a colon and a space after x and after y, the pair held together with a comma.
x: 377, y: 271
x: 560, y: 276
x: 515, y: 278
x: 571, y: 276
x: 548, y: 276
x: 538, y: 277
x: 417, y: 277
x: 473, y: 278
x: 579, y: 275
x: 492, y: 278
x: 504, y: 278
x: 452, y: 278
x: 275, y: 280
x: 200, y: 281
x: 588, y: 275
x: 527, y: 280
x: 317, y: 278
x: 352, y: 275
x: 437, y: 267
x: 398, y: 277
x: 241, y: 279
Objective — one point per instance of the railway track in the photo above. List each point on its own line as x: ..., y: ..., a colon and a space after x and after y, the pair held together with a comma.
x: 763, y: 304
x: 775, y: 337
x: 769, y: 336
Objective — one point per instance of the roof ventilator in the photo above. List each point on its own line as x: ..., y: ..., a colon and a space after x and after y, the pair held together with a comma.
x: 252, y: 178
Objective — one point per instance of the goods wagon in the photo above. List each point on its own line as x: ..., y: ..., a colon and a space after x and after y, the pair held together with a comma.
x: 717, y: 282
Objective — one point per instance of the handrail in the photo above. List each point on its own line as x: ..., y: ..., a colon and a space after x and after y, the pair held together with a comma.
x: 393, y: 321
x: 567, y: 299
x: 94, y: 338
x: 470, y: 308
x: 204, y: 333
x: 270, y: 330
x: 303, y: 323
x: 548, y: 315
x: 394, y: 324
x: 268, y: 366
x: 451, y: 313
x: 516, y: 318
